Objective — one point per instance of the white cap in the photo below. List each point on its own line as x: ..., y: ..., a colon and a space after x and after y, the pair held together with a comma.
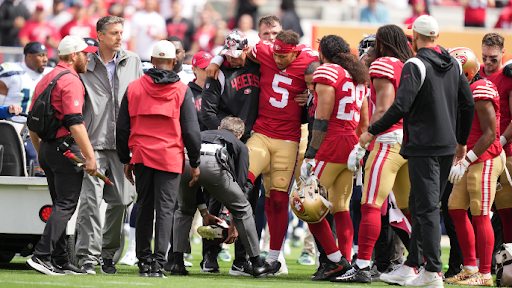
x: 425, y: 25
x: 72, y: 44
x: 164, y: 49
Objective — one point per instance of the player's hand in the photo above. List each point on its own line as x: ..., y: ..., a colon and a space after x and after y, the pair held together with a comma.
x: 19, y: 22
x: 195, y: 176
x: 90, y: 166
x: 306, y: 167
x: 302, y: 99
x: 365, y: 139
x: 355, y: 156
x: 232, y: 235
x: 128, y: 172
x: 15, y: 109
x: 460, y: 154
x: 212, y: 71
x: 210, y: 219
x: 458, y: 171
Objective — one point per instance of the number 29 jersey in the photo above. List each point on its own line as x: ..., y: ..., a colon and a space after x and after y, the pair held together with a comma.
x: 21, y: 82
x: 341, y: 135
x: 279, y: 115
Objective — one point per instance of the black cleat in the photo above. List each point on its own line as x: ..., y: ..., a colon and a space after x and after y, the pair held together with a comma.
x: 108, y: 267
x: 44, y: 267
x: 241, y: 269
x: 262, y: 269
x: 144, y: 268
x: 89, y: 268
x: 209, y: 263
x: 355, y: 275
x: 332, y: 270
x: 319, y: 271
x: 156, y: 270
x: 179, y: 270
x: 71, y: 269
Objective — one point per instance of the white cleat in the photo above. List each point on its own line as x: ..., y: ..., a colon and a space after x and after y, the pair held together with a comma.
x: 427, y: 279
x: 400, y: 275
x: 129, y: 258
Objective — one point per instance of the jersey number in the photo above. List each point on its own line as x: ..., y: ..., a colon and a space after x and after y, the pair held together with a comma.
x: 26, y: 98
x: 356, y: 95
x: 280, y: 90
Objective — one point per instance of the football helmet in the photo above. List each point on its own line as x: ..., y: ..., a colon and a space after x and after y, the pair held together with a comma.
x: 308, y: 200
x: 468, y: 60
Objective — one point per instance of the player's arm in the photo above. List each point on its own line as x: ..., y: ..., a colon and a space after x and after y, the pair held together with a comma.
x: 507, y: 134
x: 325, y: 104
x: 210, y: 103
x: 487, y: 117
x: 363, y: 120
x: 385, y: 97
x: 251, y: 56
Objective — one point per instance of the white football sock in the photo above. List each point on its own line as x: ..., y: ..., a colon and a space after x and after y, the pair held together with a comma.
x: 273, y: 255
x: 362, y: 263
x: 471, y: 268
x: 335, y: 257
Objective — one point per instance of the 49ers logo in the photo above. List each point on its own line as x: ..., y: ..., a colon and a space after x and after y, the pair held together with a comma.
x: 231, y: 43
x: 462, y: 58
x: 277, y: 47
x: 298, y: 205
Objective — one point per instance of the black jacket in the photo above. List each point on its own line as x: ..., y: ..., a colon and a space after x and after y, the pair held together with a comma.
x: 188, y: 120
x: 238, y: 152
x: 236, y: 93
x: 197, y: 92
x: 9, y: 12
x: 432, y: 107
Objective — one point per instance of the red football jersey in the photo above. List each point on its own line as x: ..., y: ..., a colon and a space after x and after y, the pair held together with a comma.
x: 341, y: 135
x: 485, y: 90
x: 504, y: 85
x: 387, y: 68
x: 279, y: 115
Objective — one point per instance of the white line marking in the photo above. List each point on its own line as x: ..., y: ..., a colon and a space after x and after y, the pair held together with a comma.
x: 45, y: 283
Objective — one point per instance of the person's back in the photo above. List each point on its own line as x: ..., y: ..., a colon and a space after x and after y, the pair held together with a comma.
x: 13, y: 19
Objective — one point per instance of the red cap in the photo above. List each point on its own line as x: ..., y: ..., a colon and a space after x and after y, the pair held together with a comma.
x: 417, y: 2
x: 201, y: 59
x: 39, y: 7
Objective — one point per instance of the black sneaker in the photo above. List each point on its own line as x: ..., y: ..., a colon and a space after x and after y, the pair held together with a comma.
x: 375, y: 274
x: 69, y: 268
x: 261, y: 269
x: 179, y: 270
x: 319, y: 271
x: 332, y: 270
x: 355, y: 275
x: 241, y: 269
x: 157, y: 271
x: 209, y: 263
x: 144, y: 268
x: 43, y: 266
x: 108, y: 267
x: 89, y: 268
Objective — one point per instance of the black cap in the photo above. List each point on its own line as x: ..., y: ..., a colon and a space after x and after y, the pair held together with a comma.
x: 91, y: 42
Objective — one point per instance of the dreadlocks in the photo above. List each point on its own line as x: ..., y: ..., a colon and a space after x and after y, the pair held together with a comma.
x: 391, y: 41
x: 337, y: 51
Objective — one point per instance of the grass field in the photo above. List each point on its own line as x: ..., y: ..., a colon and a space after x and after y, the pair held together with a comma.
x: 16, y: 274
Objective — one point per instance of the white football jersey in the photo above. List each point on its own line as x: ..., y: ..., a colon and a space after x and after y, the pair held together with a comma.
x: 21, y: 82
x: 186, y: 74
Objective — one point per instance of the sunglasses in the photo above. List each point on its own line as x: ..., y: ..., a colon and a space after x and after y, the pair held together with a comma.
x: 493, y: 61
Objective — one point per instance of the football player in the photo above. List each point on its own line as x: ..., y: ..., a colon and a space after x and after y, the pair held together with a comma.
x: 385, y: 168
x: 475, y: 178
x: 17, y: 84
x: 341, y: 115
x: 492, y: 54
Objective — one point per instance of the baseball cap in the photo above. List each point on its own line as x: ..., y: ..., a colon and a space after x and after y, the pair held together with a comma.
x: 201, y: 59
x: 34, y: 48
x: 39, y: 7
x: 164, y: 49
x: 425, y: 25
x: 234, y: 44
x: 72, y: 44
x: 91, y: 42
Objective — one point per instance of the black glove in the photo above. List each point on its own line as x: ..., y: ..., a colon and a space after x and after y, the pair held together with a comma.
x: 507, y: 70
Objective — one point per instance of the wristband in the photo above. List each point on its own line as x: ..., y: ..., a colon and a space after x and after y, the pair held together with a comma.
x: 471, y: 156
x: 205, y: 213
x: 201, y: 206
x: 503, y: 140
x: 218, y: 60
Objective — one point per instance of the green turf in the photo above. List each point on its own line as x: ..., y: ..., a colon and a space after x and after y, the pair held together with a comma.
x: 16, y: 274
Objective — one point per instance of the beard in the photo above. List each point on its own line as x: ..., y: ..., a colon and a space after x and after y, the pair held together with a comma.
x: 177, y: 67
x: 81, y: 66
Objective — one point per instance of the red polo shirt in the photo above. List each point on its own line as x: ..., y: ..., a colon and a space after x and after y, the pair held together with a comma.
x: 67, y: 96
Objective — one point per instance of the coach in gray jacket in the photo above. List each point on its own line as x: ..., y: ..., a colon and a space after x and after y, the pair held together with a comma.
x: 110, y: 70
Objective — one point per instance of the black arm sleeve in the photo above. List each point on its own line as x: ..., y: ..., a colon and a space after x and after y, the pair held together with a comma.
x: 210, y: 103
x: 405, y: 95
x: 73, y: 119
x: 199, y: 197
x: 465, y: 110
x: 123, y: 131
x: 190, y: 129
x: 242, y: 166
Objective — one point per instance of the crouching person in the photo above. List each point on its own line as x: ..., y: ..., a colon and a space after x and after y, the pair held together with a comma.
x: 157, y: 120
x: 224, y: 168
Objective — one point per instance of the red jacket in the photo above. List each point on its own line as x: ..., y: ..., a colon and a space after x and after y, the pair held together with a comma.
x: 153, y: 106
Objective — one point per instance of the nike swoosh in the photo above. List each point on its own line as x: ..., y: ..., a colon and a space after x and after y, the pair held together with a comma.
x: 239, y: 269
x: 335, y: 270
x: 405, y: 76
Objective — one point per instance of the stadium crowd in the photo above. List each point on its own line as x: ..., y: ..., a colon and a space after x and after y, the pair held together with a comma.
x: 244, y: 129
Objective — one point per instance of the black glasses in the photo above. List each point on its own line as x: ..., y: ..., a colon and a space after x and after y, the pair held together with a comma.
x: 493, y: 61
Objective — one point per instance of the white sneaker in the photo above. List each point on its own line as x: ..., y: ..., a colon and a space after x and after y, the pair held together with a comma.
x: 427, y: 279
x: 399, y: 275
x: 129, y: 258
x: 284, y: 268
x: 187, y: 264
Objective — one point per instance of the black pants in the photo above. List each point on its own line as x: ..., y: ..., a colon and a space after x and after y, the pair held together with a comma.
x: 158, y: 192
x: 65, y: 183
x: 455, y: 259
x: 428, y: 176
